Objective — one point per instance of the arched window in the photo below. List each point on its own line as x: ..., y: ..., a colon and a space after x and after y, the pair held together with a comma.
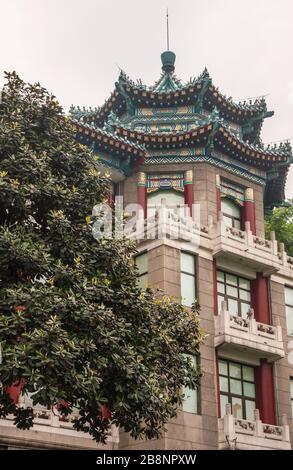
x: 173, y: 200
x: 231, y: 213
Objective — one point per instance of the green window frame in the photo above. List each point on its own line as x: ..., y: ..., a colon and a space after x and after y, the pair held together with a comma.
x: 289, y: 309
x: 191, y: 397
x: 237, y: 387
x: 231, y: 213
x: 236, y: 291
x: 188, y: 278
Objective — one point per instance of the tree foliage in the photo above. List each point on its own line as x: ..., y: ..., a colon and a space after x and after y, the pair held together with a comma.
x: 281, y: 222
x: 75, y: 329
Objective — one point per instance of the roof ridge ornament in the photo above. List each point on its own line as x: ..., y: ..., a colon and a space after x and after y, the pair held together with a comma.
x: 109, y: 123
x: 168, y: 62
x: 215, y: 115
x: 168, y: 57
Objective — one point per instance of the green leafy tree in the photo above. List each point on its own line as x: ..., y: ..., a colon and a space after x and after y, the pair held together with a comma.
x: 281, y: 222
x: 75, y: 330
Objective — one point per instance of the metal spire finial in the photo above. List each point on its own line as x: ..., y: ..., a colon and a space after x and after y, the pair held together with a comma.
x: 167, y: 18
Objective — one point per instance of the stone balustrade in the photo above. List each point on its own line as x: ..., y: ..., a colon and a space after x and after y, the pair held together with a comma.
x: 261, y: 254
x: 168, y: 224
x: 240, y: 433
x: 241, y: 332
x: 52, y: 430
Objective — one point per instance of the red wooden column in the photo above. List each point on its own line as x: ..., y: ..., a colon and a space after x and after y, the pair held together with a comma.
x: 111, y: 198
x: 188, y: 189
x: 260, y: 299
x: 264, y: 373
x: 265, y: 397
x: 15, y: 390
x: 248, y: 211
x: 218, y: 195
x: 142, y: 192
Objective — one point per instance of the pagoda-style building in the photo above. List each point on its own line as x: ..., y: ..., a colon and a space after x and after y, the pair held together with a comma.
x: 176, y: 144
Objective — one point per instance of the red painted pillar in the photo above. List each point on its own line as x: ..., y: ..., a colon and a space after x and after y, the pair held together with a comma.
x: 218, y: 195
x: 215, y: 287
x: 110, y: 199
x: 265, y: 397
x: 142, y: 192
x: 260, y: 299
x: 188, y: 189
x: 15, y: 390
x: 248, y: 211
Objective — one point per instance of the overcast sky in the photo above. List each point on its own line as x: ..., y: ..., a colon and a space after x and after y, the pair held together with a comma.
x: 74, y: 48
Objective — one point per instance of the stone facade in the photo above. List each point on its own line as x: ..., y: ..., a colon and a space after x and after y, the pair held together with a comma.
x: 194, y: 134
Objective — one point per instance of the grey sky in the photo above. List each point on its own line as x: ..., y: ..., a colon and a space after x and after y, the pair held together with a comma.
x: 72, y: 47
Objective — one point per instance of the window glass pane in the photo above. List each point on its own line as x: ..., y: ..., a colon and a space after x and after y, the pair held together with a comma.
x: 233, y: 306
x: 187, y: 289
x: 224, y: 384
x: 172, y: 198
x: 231, y: 279
x: 245, y: 308
x: 230, y: 208
x: 235, y: 386
x: 248, y: 373
x: 220, y: 301
x: 221, y: 288
x: 289, y: 315
x: 235, y: 370
x: 223, y: 367
x: 192, y: 358
x: 249, y: 409
x: 220, y: 276
x: 142, y: 281
x: 237, y: 410
x: 187, y: 263
x: 233, y: 291
x: 228, y: 221
x: 224, y: 401
x: 190, y: 400
x: 141, y: 262
x: 237, y: 224
x: 244, y: 283
x: 289, y: 296
x: 244, y: 295
x: 249, y: 389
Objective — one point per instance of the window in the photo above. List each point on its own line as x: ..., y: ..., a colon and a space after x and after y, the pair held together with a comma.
x: 173, y: 200
x: 236, y: 291
x: 190, y: 403
x: 231, y: 213
x: 141, y: 262
x: 237, y: 387
x: 291, y: 391
x: 188, y: 290
x: 289, y: 309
